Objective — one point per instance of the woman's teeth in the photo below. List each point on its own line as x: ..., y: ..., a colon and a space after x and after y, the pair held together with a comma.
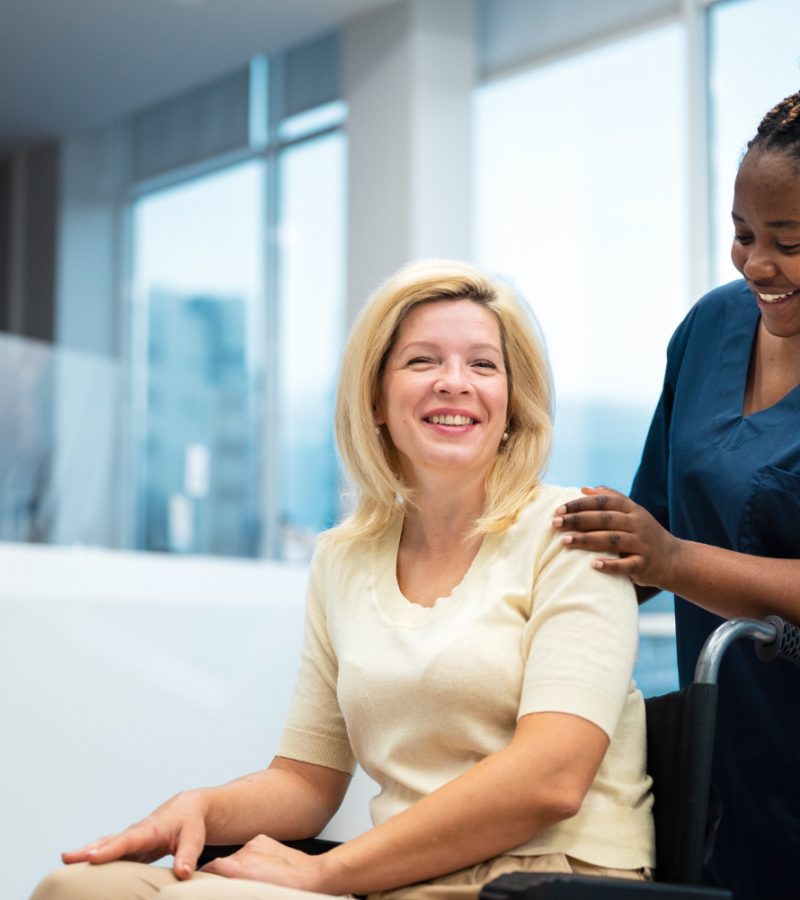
x: 451, y: 420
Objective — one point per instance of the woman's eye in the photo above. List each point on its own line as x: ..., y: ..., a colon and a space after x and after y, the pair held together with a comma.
x: 485, y: 364
x: 420, y: 361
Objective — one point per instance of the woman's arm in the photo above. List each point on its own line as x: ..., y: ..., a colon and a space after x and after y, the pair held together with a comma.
x: 722, y: 581
x: 288, y: 800
x: 539, y: 779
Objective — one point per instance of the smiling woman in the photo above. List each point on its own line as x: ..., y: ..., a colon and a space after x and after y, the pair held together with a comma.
x: 452, y: 647
x: 444, y: 395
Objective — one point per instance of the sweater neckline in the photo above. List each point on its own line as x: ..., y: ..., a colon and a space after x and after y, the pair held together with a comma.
x: 391, y: 601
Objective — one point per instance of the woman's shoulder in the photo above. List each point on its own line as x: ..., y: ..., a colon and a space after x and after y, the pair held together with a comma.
x: 538, y: 512
x: 338, y: 552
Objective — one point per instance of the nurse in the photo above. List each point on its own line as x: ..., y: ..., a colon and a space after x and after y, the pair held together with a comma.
x: 714, y: 514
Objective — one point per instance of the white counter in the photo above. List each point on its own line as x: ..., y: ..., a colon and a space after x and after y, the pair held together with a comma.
x: 127, y: 677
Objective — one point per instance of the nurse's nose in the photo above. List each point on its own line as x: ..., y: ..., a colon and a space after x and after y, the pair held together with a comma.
x: 759, y: 265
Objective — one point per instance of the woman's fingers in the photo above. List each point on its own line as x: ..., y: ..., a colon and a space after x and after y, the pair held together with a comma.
x: 190, y: 846
x: 131, y: 842
x: 139, y: 842
x: 80, y: 854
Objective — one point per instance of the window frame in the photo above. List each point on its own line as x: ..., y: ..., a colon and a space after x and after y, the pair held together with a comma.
x: 272, y: 132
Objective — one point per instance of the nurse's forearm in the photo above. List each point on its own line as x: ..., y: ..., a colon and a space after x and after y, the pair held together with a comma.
x: 733, y: 584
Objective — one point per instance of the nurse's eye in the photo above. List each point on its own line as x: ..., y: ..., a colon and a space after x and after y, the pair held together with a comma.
x: 788, y: 248
x: 743, y: 238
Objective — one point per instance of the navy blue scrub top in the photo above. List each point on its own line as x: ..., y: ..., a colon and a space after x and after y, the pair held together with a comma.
x: 709, y: 474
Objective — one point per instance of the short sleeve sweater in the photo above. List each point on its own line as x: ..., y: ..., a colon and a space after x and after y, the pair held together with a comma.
x: 418, y: 695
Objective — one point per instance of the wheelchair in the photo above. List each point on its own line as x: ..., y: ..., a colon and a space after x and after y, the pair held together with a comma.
x: 680, y: 742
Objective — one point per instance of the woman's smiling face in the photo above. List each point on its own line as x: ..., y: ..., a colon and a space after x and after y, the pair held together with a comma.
x: 766, y: 246
x: 444, y: 392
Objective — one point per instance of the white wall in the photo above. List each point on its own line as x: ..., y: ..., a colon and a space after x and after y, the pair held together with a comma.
x: 127, y: 677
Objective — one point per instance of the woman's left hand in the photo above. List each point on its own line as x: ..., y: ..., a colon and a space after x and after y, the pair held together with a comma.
x: 609, y: 522
x: 264, y: 859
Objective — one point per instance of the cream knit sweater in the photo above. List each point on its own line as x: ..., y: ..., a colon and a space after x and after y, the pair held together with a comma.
x: 417, y: 695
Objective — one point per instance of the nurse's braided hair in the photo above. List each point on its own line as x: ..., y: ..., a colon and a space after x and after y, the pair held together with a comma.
x: 780, y: 128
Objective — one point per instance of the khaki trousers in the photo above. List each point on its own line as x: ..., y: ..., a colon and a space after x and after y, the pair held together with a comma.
x: 137, y: 881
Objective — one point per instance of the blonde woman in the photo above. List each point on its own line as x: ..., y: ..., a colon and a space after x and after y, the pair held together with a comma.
x: 479, y: 672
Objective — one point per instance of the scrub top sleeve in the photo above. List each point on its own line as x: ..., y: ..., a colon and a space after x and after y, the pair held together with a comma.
x: 650, y: 484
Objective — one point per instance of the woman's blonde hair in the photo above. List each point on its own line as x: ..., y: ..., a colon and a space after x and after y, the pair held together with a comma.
x: 368, y: 453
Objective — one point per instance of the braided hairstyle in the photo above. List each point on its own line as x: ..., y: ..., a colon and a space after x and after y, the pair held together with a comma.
x: 779, y: 130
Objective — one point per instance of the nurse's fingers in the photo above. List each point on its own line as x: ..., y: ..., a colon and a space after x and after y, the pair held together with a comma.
x: 628, y: 565
x: 604, y: 520
x: 603, y: 541
x: 596, y: 498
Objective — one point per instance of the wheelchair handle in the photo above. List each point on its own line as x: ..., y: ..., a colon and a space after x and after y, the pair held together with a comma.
x: 785, y: 645
x: 774, y: 638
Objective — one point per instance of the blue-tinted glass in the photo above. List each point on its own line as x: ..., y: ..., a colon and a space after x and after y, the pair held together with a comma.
x: 311, y: 328
x: 581, y: 202
x: 197, y: 295
x: 60, y: 478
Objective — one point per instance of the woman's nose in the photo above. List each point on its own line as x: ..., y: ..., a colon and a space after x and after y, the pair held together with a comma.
x: 453, y: 379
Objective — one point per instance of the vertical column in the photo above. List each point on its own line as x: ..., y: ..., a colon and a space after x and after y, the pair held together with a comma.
x: 409, y: 72
x: 28, y: 202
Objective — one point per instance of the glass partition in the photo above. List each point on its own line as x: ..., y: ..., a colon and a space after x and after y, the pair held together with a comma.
x: 60, y: 420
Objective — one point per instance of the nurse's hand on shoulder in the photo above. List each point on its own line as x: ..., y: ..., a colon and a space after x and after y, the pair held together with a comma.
x: 609, y: 522
x: 177, y: 827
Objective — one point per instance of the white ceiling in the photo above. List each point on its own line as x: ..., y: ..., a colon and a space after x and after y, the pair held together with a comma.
x: 67, y: 65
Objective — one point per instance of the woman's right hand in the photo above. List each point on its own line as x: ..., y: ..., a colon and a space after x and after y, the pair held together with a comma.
x: 177, y: 827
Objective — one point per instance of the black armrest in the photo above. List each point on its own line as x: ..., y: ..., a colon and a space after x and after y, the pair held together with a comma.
x: 314, y: 846
x: 560, y: 886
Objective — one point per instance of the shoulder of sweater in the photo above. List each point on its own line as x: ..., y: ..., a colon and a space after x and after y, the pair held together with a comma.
x: 534, y: 522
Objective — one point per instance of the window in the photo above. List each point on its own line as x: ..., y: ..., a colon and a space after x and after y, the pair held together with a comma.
x: 754, y: 63
x: 581, y: 200
x: 238, y: 324
x: 311, y: 327
x: 199, y: 362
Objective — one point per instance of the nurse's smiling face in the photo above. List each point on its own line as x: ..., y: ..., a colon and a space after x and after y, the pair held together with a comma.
x: 766, y: 246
